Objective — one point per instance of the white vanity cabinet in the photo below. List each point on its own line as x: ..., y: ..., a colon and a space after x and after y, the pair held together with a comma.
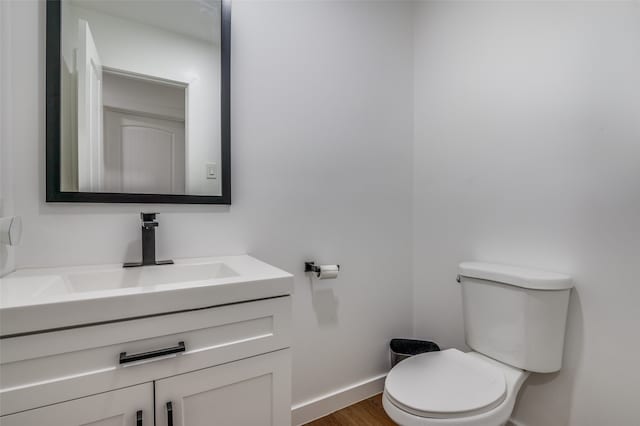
x: 122, y: 407
x: 250, y: 392
x: 225, y: 365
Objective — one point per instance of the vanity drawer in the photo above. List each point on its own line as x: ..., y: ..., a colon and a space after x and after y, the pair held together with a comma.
x: 47, y: 368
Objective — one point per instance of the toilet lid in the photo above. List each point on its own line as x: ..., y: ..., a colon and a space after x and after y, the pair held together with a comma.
x: 442, y: 384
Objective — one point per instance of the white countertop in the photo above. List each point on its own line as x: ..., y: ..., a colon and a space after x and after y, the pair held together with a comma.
x: 41, y: 299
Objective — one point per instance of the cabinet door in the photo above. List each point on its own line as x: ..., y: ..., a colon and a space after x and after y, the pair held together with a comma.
x: 121, y: 407
x: 254, y: 391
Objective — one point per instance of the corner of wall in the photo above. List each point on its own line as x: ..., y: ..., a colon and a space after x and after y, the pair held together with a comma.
x: 414, y: 11
x: 7, y: 262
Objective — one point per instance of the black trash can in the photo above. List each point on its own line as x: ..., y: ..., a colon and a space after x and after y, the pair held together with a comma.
x: 404, y: 348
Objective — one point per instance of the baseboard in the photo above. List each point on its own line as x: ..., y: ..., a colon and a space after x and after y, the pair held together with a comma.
x: 313, y: 409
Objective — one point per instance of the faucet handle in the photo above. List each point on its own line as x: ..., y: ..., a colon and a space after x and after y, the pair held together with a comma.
x: 148, y: 217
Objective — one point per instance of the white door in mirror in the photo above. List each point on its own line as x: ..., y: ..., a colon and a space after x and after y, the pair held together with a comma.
x: 144, y: 154
x: 90, y: 143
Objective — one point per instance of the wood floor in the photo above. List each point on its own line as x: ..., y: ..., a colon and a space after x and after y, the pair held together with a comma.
x: 365, y: 413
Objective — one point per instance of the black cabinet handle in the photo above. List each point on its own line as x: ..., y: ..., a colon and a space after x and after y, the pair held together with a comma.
x: 124, y: 358
x: 169, y: 414
x: 139, y: 418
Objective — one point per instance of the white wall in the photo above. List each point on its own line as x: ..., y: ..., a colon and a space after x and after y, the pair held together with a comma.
x: 321, y: 169
x: 143, y: 96
x: 527, y: 151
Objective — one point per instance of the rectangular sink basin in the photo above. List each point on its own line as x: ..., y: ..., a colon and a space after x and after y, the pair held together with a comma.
x: 35, y: 300
x: 147, y: 276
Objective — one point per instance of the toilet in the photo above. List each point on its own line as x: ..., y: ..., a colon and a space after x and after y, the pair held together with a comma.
x: 514, y: 321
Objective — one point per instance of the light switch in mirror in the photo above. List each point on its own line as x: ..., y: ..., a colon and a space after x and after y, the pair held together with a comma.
x: 142, y: 106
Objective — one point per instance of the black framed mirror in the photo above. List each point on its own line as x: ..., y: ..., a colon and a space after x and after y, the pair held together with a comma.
x: 137, y: 101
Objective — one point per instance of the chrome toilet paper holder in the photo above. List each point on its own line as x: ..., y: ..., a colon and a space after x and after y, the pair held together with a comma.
x: 312, y: 267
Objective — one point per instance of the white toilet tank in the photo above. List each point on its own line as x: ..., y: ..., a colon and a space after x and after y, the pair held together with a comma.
x: 515, y: 315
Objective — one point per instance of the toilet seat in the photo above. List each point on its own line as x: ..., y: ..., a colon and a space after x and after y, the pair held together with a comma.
x: 446, y: 384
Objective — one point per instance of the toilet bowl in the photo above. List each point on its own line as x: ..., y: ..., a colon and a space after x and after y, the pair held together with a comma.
x: 451, y: 388
x: 514, y: 320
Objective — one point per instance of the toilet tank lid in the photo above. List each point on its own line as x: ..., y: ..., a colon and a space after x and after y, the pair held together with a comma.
x: 516, y: 276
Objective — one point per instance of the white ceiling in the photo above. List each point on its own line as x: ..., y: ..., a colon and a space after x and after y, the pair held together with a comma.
x: 194, y: 18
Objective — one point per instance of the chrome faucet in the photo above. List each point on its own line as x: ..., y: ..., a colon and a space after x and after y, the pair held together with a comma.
x: 149, y: 225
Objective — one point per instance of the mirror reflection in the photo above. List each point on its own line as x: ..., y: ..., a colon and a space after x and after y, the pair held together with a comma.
x: 140, y: 96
